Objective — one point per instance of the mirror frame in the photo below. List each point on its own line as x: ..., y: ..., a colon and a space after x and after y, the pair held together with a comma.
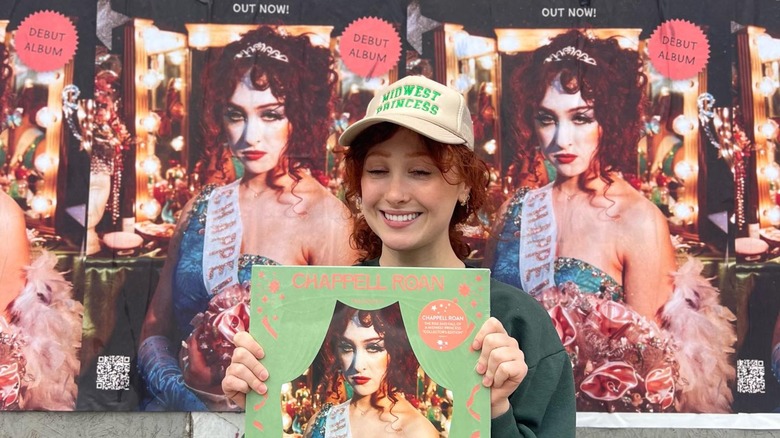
x: 134, y: 70
x: 56, y: 143
x: 754, y: 114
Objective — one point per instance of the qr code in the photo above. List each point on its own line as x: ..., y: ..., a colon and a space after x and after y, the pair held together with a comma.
x: 750, y: 376
x: 113, y: 372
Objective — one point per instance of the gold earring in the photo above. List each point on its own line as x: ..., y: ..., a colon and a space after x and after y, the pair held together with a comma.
x: 465, y: 201
x: 358, y: 202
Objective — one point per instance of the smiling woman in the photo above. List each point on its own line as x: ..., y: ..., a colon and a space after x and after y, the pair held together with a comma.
x: 416, y: 178
x: 267, y: 99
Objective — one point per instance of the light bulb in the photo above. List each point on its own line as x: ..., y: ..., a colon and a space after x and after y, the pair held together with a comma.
x: 683, y: 170
x: 200, y: 40
x: 772, y: 171
x: 773, y: 214
x: 463, y: 83
x: 151, y: 209
x: 151, y: 79
x: 48, y: 77
x: 151, y: 37
x: 176, y: 57
x: 768, y: 47
x: 486, y: 62
x: 767, y: 86
x: 769, y: 129
x: 151, y: 122
x: 683, y: 125
x: 44, y: 163
x: 177, y: 144
x: 46, y: 118
x: 41, y: 204
x: 151, y: 165
x: 681, y: 86
x: 683, y: 211
x: 490, y: 147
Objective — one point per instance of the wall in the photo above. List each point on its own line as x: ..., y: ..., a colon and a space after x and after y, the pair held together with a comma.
x: 210, y: 425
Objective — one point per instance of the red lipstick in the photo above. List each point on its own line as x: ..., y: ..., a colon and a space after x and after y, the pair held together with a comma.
x: 253, y: 155
x: 360, y: 380
x: 565, y: 158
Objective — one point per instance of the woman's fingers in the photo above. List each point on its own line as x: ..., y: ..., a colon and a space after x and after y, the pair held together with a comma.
x: 485, y: 340
x: 245, y: 371
x: 501, y: 362
x: 509, y: 370
x: 245, y: 340
x: 235, y: 389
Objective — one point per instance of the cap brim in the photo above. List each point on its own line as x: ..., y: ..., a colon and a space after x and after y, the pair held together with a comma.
x: 420, y: 126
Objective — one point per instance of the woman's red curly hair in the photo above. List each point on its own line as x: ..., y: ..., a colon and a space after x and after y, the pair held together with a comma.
x: 614, y: 86
x: 401, y: 374
x: 306, y: 84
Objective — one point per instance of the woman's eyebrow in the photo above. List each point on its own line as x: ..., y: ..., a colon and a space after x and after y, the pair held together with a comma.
x: 577, y: 109
x: 378, y: 153
x: 272, y: 105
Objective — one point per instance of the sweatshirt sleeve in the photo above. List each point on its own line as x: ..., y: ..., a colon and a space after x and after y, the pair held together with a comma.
x: 544, y: 404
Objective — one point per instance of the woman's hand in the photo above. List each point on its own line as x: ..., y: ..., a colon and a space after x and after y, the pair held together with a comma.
x: 501, y: 363
x: 196, y: 371
x: 245, y: 371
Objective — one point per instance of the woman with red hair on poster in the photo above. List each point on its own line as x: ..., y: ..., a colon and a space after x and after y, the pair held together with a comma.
x: 369, y: 351
x: 268, y: 99
x: 643, y: 334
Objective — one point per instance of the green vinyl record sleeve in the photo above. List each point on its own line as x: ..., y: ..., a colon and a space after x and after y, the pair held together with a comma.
x: 292, y: 310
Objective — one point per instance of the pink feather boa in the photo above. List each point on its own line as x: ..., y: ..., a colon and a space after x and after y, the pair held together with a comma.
x: 48, y: 323
x: 704, y: 337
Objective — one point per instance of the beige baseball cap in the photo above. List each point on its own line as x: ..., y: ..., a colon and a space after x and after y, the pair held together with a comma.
x: 422, y: 105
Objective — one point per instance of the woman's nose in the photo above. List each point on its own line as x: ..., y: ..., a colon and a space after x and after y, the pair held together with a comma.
x: 564, y: 135
x: 397, y: 191
x: 357, y: 361
x: 253, y: 131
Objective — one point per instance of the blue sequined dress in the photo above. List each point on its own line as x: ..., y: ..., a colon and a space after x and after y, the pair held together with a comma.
x: 587, y: 277
x: 189, y: 293
x: 164, y: 381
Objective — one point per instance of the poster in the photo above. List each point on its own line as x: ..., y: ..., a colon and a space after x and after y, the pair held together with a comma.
x: 436, y: 314
x: 37, y: 297
x: 710, y: 168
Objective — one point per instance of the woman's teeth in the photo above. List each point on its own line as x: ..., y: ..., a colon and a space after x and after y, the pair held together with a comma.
x: 401, y: 217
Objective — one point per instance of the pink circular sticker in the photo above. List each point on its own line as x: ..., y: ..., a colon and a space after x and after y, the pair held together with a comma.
x: 370, y: 47
x: 46, y: 41
x: 678, y: 49
x: 443, y: 325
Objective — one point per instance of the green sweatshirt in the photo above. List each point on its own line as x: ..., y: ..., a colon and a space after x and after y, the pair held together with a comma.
x: 543, y: 405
